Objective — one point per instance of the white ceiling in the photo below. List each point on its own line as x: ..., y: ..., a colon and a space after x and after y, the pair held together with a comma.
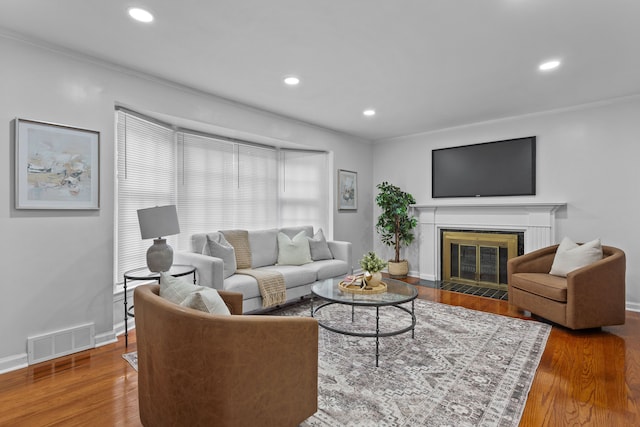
x: 422, y: 64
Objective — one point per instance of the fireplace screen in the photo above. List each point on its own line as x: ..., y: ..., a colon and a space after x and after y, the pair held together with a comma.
x: 478, y: 258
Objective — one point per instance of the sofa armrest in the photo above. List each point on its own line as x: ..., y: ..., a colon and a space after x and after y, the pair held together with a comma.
x: 342, y: 251
x: 210, y: 269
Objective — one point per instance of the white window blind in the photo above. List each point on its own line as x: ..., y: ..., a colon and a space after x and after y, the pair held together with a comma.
x: 215, y: 183
x: 256, y: 205
x: 146, y: 175
x: 225, y: 185
x: 304, y: 189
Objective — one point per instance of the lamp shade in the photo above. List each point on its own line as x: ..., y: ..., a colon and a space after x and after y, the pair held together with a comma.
x: 158, y: 222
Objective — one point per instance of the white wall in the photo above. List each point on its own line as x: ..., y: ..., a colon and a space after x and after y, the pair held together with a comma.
x: 586, y: 157
x: 58, y: 265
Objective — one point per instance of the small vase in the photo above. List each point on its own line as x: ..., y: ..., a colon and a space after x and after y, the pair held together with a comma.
x: 372, y: 279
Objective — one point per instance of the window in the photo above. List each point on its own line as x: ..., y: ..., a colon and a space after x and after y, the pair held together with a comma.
x: 146, y: 177
x: 215, y: 183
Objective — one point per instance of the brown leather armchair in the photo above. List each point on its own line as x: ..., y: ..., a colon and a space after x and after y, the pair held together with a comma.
x: 589, y: 297
x: 200, y: 369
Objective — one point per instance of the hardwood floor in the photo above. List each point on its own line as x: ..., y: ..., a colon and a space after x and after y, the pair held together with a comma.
x: 588, y: 378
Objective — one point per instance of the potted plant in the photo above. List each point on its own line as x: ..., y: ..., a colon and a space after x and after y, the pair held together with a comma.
x: 372, y: 265
x: 395, y: 225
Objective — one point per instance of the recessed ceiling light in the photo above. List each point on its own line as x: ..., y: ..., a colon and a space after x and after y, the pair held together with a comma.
x: 549, y: 65
x: 140, y: 14
x: 291, y: 80
x: 369, y: 112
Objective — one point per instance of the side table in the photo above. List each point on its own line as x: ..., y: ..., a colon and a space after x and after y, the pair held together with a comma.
x: 143, y: 273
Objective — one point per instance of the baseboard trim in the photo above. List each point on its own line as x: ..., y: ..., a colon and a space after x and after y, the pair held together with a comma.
x: 105, y: 338
x: 633, y: 306
x: 13, y: 363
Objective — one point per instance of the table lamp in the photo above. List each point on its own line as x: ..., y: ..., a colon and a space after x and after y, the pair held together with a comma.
x: 155, y: 223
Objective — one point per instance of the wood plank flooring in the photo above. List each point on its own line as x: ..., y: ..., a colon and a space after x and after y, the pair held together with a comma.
x: 588, y: 378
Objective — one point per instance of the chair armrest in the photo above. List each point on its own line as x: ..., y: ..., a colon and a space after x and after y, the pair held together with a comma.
x: 233, y: 301
x: 342, y: 251
x: 596, y: 293
x: 538, y: 261
x: 210, y: 269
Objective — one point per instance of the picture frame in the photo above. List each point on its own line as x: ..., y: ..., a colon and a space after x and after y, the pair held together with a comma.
x: 347, y: 190
x: 56, y: 166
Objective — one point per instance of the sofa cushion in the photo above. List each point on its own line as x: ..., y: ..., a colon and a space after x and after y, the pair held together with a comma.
x: 293, y: 251
x: 294, y: 275
x: 542, y: 284
x: 319, y: 247
x: 217, y: 246
x: 328, y: 268
x: 264, y: 247
x: 571, y: 256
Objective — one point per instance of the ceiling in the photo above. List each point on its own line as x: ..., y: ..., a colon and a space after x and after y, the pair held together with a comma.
x: 421, y: 64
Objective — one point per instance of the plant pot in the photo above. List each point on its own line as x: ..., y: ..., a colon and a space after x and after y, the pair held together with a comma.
x: 372, y: 279
x: 398, y: 270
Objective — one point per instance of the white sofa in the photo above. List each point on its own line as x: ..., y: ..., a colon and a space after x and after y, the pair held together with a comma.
x: 264, y: 255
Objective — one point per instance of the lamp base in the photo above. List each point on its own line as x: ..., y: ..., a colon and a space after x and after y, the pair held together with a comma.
x: 159, y: 256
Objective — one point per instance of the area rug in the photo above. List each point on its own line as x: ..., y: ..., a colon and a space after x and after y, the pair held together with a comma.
x: 132, y: 358
x: 463, y: 368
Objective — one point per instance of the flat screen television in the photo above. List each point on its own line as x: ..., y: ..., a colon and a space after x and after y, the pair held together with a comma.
x: 499, y: 168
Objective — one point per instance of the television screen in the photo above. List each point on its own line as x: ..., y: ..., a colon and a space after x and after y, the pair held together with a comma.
x: 500, y: 168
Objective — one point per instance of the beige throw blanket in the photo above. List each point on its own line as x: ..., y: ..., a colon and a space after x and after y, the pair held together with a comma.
x: 271, y: 283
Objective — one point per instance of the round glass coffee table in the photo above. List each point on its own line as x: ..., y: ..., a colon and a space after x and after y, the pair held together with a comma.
x: 397, y: 293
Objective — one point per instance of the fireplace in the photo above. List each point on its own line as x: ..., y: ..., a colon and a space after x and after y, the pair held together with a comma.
x: 534, y: 220
x: 479, y: 257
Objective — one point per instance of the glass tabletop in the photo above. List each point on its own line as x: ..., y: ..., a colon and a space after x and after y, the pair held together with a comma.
x: 143, y: 273
x: 398, y: 292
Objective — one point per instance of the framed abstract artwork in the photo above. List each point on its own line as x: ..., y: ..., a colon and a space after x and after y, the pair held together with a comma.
x: 57, y: 166
x: 347, y: 190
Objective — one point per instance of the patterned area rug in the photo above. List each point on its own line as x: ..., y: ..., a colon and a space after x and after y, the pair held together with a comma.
x: 464, y: 367
x: 132, y: 358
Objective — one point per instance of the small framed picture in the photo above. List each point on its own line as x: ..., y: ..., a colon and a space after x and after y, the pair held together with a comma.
x: 57, y: 166
x: 347, y: 190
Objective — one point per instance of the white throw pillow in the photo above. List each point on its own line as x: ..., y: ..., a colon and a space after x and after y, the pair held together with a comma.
x: 220, y: 248
x: 207, y: 300
x: 293, y: 251
x: 319, y: 247
x: 174, y: 289
x: 571, y: 256
x: 186, y: 294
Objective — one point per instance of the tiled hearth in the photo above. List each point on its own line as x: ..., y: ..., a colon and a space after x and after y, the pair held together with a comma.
x: 535, y: 220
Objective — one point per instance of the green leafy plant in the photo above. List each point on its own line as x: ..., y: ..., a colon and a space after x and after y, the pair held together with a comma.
x: 395, y: 225
x: 372, y: 263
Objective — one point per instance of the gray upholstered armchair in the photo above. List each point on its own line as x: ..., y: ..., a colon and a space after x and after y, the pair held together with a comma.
x: 589, y: 297
x: 200, y: 369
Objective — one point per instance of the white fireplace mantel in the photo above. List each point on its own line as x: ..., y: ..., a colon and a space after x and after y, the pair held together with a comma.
x: 535, y: 219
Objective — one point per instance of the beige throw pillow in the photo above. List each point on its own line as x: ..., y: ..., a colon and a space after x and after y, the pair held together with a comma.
x: 571, y: 256
x: 293, y: 251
